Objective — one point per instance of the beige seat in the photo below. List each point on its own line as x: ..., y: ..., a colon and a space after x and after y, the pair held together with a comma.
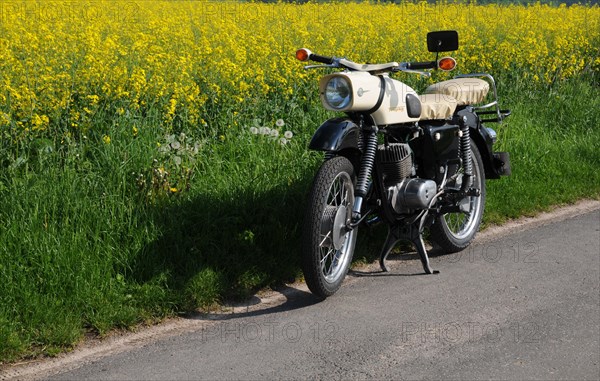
x: 466, y: 91
x: 437, y: 106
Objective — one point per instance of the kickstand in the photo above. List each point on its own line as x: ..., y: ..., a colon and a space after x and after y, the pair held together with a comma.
x: 405, y: 233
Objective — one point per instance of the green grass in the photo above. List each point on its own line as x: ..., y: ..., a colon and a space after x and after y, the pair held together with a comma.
x: 95, y: 237
x: 553, y: 137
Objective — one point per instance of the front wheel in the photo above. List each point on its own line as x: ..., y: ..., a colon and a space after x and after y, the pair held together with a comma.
x: 328, y: 242
x: 455, y: 231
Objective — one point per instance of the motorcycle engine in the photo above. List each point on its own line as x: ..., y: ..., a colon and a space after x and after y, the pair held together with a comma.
x: 404, y: 191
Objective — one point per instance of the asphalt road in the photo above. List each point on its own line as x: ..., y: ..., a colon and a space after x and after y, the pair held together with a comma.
x: 525, y: 306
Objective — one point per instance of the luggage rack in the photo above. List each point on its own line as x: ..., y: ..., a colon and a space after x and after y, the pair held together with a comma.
x: 497, y: 112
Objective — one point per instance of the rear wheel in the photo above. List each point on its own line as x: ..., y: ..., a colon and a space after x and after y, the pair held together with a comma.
x: 328, y: 244
x: 455, y: 231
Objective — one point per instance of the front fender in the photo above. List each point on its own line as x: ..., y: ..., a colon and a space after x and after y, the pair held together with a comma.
x: 336, y: 135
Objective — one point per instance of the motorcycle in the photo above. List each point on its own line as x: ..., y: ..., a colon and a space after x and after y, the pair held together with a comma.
x: 412, y: 161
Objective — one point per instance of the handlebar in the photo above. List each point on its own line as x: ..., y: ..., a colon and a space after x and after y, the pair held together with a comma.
x: 422, y: 65
x: 306, y: 55
x: 321, y: 59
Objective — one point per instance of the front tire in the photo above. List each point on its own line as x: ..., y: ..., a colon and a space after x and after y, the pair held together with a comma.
x: 454, y: 232
x: 327, y: 243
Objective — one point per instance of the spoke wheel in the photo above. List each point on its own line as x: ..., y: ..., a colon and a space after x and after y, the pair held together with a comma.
x: 328, y: 243
x: 455, y: 231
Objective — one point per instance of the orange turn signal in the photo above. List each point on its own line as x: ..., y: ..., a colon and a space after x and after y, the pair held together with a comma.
x: 447, y: 63
x: 303, y: 54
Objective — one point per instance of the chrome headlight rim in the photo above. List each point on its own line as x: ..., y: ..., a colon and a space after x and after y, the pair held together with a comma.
x: 338, y: 92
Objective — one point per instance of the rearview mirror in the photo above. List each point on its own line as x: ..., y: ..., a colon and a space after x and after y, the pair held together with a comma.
x: 442, y: 41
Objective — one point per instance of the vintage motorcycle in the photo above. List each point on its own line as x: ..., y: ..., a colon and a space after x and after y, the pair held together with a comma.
x: 411, y: 161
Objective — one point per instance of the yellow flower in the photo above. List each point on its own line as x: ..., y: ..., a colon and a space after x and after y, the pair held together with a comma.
x: 4, y: 119
x: 172, y: 107
x: 241, y: 53
x: 106, y: 139
x: 39, y: 122
x: 94, y: 99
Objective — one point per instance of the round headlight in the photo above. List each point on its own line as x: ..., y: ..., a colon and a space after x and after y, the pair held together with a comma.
x: 338, y: 93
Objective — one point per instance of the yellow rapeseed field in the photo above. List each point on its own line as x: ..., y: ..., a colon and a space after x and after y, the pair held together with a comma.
x: 63, y: 65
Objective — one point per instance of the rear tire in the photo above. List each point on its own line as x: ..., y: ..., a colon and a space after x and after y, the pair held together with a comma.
x: 454, y: 232
x: 327, y: 245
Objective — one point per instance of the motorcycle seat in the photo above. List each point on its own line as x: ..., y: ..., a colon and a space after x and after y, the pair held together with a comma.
x: 466, y: 91
x: 437, y: 106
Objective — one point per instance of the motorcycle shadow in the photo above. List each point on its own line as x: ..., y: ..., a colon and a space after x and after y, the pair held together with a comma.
x: 216, y: 247
x: 286, y: 298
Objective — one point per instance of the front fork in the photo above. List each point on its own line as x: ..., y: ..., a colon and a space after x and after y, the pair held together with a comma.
x: 365, y: 171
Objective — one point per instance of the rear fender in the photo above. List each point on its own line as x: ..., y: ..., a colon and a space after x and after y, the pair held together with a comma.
x: 496, y: 164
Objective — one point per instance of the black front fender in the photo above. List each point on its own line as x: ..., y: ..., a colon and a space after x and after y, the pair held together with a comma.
x: 336, y: 135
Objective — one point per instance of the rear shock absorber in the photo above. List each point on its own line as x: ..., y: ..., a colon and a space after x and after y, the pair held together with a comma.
x: 465, y: 151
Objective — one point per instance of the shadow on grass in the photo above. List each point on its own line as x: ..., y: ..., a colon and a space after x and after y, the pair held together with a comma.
x: 224, y: 245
